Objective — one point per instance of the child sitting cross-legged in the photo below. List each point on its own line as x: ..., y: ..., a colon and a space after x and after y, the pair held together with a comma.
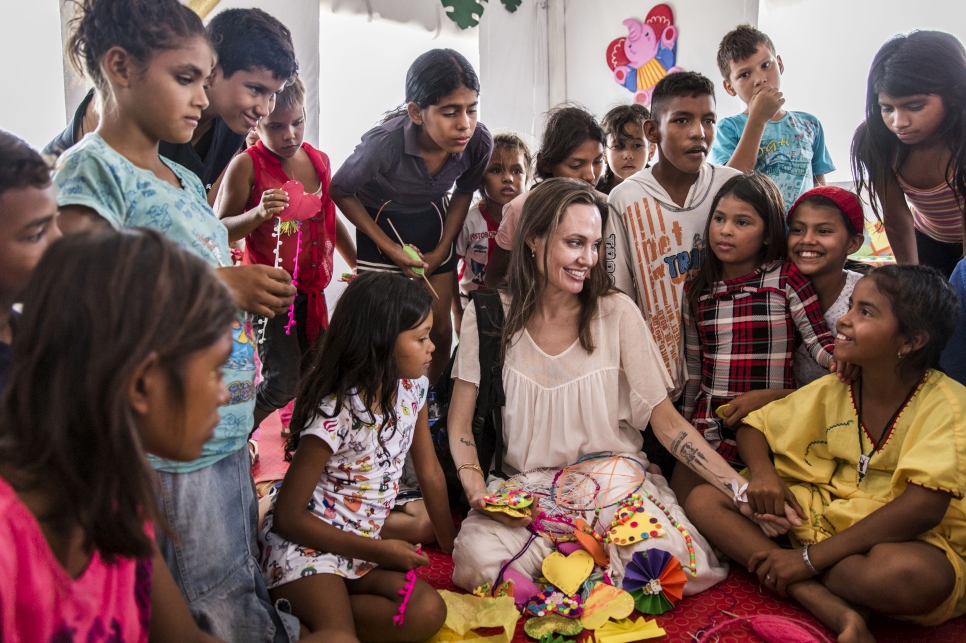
x: 876, y: 464
x: 357, y: 414
x: 95, y: 384
x: 249, y: 203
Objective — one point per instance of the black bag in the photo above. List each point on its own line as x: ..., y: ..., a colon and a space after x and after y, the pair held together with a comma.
x: 488, y: 415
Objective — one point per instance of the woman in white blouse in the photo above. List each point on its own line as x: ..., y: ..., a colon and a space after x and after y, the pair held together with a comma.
x: 582, y: 375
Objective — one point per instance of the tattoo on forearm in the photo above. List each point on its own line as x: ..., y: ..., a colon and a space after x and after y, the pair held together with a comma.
x: 677, y: 441
x: 468, y: 443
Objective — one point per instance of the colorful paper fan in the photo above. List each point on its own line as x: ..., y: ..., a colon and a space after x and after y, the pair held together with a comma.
x: 655, y: 580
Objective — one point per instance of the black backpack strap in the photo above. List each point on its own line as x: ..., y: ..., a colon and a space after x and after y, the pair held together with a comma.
x: 488, y: 416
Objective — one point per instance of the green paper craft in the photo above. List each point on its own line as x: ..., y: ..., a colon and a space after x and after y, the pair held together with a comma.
x: 511, y: 5
x: 415, y: 256
x: 541, y: 626
x: 465, y: 13
x: 552, y: 638
x: 651, y: 603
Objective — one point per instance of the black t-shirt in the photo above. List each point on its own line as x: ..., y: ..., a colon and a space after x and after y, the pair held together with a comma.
x: 222, y: 144
x: 68, y: 138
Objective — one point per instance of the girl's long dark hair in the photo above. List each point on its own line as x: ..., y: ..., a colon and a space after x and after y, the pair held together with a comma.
x: 758, y: 191
x: 433, y: 75
x: 568, y: 127
x: 96, y: 307
x: 542, y: 213
x: 141, y: 27
x: 357, y: 355
x: 922, y: 302
x: 923, y: 62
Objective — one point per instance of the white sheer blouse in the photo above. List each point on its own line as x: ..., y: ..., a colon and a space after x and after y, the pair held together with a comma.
x: 562, y: 407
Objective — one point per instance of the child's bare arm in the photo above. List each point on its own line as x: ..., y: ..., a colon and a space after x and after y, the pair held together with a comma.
x: 356, y: 213
x: 897, y: 219
x: 80, y: 218
x: 819, y: 179
x: 171, y: 622
x: 459, y: 206
x: 295, y: 523
x: 767, y: 492
x: 432, y: 482
x: 233, y: 197
x: 457, y: 300
x: 496, y: 267
x: 344, y: 243
x: 761, y: 109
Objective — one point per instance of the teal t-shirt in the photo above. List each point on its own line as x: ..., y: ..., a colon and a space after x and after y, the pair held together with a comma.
x: 792, y: 151
x: 94, y: 175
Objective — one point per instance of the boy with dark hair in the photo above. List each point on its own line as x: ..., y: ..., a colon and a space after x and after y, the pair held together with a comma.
x: 788, y: 147
x: 656, y: 242
x: 255, y: 57
x: 28, y: 224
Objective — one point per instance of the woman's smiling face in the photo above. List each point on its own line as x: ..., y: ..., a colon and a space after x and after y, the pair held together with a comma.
x: 573, y: 249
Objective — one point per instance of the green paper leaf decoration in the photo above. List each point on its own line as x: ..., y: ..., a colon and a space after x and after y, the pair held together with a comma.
x: 653, y: 604
x: 512, y: 5
x: 552, y: 638
x: 465, y: 13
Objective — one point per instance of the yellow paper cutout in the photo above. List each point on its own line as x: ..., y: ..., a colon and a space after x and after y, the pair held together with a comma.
x: 604, y: 603
x: 446, y: 635
x: 568, y: 573
x: 466, y: 612
x: 637, y: 526
x: 628, y: 630
x: 202, y: 7
x: 510, y: 511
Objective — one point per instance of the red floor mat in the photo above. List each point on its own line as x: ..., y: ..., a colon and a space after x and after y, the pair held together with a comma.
x: 738, y: 594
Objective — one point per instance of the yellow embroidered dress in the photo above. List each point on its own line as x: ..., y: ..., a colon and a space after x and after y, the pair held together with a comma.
x: 814, y: 435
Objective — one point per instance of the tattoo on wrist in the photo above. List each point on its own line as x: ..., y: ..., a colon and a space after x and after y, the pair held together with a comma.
x: 468, y: 443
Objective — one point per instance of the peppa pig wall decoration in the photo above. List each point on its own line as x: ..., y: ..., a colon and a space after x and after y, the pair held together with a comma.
x: 647, y: 54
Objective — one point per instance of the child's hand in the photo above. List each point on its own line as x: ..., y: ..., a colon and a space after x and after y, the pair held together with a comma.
x: 779, y: 568
x: 765, y: 104
x: 405, y: 262
x: 736, y: 410
x: 846, y: 372
x: 768, y: 494
x: 260, y: 290
x: 273, y: 202
x: 400, y: 556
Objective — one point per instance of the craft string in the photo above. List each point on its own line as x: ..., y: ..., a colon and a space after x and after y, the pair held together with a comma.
x: 406, y: 592
x: 506, y: 565
x: 295, y: 279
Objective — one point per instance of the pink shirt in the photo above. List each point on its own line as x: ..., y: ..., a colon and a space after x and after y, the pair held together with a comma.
x: 40, y: 602
x: 510, y: 221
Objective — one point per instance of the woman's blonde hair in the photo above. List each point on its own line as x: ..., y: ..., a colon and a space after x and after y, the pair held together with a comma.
x: 542, y: 214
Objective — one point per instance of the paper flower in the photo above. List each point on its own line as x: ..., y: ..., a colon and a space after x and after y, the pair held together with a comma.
x: 655, y: 580
x: 628, y: 630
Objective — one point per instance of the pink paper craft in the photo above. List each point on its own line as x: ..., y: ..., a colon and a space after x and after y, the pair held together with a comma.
x: 568, y: 548
x: 523, y: 586
x: 301, y: 206
x: 295, y: 282
x: 406, y: 592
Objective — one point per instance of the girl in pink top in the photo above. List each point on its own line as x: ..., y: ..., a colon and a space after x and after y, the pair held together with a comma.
x: 119, y: 352
x: 910, y: 153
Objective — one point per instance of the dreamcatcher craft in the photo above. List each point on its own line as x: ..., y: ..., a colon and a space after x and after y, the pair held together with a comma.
x: 655, y: 580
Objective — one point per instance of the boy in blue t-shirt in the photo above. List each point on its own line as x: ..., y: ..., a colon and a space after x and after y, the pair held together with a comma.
x: 787, y: 147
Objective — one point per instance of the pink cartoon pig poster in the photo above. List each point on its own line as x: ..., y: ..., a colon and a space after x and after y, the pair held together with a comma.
x: 647, y: 54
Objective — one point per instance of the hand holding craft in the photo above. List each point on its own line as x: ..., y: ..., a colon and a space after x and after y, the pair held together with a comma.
x: 399, y: 555
x: 272, y: 203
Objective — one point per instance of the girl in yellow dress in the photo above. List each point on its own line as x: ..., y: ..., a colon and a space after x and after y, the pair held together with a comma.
x: 875, y: 468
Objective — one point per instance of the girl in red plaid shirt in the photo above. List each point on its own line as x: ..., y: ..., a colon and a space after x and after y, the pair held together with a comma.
x: 742, y: 312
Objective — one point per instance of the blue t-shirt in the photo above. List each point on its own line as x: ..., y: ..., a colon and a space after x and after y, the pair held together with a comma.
x: 953, y: 359
x: 792, y: 151
x: 94, y: 175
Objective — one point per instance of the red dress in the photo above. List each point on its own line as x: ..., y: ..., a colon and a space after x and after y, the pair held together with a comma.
x: 318, y: 233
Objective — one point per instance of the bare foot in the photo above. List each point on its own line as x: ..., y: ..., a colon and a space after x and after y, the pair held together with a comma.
x: 852, y: 629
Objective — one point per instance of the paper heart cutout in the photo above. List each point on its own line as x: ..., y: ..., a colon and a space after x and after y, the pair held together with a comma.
x: 568, y: 548
x: 605, y: 603
x: 568, y: 573
x: 301, y: 206
x: 587, y: 540
x: 523, y: 586
x: 540, y: 626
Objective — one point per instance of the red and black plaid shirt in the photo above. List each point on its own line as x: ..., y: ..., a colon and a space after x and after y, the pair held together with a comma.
x: 742, y: 338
